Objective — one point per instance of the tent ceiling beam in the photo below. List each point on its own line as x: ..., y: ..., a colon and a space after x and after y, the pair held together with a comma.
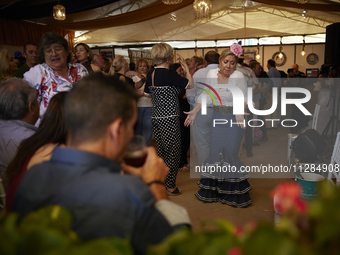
x: 331, y: 7
x: 154, y: 30
x: 273, y: 11
x: 195, y: 24
x: 120, y: 8
x: 295, y: 17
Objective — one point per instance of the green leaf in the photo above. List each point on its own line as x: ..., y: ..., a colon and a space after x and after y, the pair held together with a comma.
x: 9, y: 235
x: 224, y: 225
x: 266, y: 240
x: 286, y: 225
x: 54, y: 216
x: 103, y: 246
x: 206, y: 242
x: 43, y: 241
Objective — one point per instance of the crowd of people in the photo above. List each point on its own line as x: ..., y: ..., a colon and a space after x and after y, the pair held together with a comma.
x: 67, y: 116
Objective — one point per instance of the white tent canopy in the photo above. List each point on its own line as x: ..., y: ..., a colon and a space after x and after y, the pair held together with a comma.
x: 113, y: 22
x: 226, y: 23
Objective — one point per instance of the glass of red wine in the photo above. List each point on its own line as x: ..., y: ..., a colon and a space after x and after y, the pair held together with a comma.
x: 136, y: 152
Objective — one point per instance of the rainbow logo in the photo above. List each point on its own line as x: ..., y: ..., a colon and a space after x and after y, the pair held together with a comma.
x: 208, y: 92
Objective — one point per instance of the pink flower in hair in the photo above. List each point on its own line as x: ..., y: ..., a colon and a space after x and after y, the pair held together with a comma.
x: 236, y: 49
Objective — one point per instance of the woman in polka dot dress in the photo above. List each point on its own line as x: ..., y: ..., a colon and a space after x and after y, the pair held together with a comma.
x: 164, y: 86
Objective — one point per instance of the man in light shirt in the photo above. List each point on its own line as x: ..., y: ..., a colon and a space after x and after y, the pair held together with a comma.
x: 98, y: 61
x: 19, y: 111
x: 253, y: 83
x: 201, y: 127
x: 275, y: 76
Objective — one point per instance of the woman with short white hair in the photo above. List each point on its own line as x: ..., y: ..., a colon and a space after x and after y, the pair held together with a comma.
x: 164, y: 86
x: 119, y: 67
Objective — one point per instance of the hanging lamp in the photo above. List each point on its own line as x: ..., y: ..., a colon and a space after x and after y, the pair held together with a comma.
x: 258, y: 49
x: 59, y: 12
x: 202, y: 9
x: 280, y: 49
x: 303, y: 53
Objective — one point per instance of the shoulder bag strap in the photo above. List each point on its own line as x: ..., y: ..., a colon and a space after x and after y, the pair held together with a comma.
x: 153, y: 77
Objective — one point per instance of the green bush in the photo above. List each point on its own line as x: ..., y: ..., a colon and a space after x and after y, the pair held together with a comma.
x: 48, y: 231
x: 304, y: 229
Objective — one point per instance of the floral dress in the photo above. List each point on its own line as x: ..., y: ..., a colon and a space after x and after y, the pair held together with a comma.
x: 48, y: 83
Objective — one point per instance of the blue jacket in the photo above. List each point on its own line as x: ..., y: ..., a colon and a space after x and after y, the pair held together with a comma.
x: 102, y: 201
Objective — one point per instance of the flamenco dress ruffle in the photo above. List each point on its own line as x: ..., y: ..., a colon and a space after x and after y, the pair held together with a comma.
x: 223, y: 178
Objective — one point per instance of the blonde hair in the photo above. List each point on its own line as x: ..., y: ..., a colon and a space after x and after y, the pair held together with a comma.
x: 142, y: 60
x: 161, y: 53
x: 247, y: 59
x: 198, y: 60
x: 226, y: 53
x: 4, y: 65
x: 117, y: 64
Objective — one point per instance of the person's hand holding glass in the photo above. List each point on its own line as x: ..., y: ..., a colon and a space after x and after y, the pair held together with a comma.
x: 144, y: 162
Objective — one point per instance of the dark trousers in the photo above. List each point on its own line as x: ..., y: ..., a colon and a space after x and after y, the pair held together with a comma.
x: 185, y: 141
x: 263, y: 128
x: 248, y: 135
x: 184, y: 106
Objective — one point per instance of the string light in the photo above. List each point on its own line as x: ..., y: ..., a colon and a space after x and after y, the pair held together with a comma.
x: 195, y: 48
x: 280, y: 49
x: 302, y: 1
x: 303, y: 53
x: 171, y: 1
x: 258, y: 49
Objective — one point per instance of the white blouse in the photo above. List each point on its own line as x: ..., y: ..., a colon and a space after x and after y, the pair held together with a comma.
x: 237, y: 79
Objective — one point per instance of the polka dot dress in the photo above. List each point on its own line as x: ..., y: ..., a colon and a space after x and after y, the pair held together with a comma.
x: 164, y: 86
x: 166, y: 129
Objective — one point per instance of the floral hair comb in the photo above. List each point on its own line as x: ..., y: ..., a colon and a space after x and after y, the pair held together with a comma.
x: 236, y: 49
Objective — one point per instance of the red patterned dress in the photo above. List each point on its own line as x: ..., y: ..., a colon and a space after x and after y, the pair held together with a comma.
x: 48, y: 83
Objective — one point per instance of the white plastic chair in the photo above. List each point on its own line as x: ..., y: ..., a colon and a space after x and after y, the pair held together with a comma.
x: 316, y: 116
x: 292, y: 137
x: 2, y: 194
x: 334, y: 166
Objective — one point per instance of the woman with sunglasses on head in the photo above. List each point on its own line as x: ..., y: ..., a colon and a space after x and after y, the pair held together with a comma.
x: 8, y: 65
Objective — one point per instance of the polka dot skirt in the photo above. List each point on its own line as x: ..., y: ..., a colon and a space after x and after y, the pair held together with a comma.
x: 168, y: 142
x: 166, y: 129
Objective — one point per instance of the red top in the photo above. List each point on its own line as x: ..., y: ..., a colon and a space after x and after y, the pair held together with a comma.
x: 13, y: 186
